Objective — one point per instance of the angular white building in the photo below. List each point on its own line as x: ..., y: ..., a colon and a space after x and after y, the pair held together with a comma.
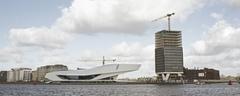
x: 105, y: 72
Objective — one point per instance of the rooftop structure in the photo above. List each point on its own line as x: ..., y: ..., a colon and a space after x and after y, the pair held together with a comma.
x: 166, y: 38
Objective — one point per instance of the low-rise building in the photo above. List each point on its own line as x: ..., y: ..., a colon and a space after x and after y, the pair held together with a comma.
x: 201, y: 74
x: 34, y: 76
x: 3, y: 76
x: 10, y: 76
x: 19, y: 75
x: 43, y: 70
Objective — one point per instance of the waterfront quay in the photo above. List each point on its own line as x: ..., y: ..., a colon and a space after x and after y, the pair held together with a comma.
x: 120, y: 82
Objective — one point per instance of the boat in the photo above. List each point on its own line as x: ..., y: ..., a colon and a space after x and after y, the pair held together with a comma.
x: 230, y: 82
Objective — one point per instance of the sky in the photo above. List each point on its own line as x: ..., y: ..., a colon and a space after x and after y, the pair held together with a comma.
x: 77, y: 33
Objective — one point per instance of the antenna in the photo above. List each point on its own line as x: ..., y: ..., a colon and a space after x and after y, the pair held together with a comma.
x: 168, y: 16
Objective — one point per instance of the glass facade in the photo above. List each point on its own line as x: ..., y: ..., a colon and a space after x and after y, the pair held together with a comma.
x: 168, y: 51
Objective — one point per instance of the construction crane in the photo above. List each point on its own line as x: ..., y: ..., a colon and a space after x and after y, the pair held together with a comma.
x: 166, y: 16
x: 103, y: 60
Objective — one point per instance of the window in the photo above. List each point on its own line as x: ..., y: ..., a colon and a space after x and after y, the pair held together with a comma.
x: 85, y: 77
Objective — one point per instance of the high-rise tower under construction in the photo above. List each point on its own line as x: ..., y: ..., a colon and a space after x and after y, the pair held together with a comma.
x: 168, y: 54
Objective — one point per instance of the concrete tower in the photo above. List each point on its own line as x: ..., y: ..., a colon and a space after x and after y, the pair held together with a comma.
x: 168, y: 55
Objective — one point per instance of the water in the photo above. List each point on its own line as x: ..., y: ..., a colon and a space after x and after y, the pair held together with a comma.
x: 120, y: 90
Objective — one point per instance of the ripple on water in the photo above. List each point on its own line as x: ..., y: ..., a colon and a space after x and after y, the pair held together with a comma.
x: 119, y: 90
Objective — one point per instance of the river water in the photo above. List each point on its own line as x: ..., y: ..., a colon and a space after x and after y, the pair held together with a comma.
x: 120, y: 90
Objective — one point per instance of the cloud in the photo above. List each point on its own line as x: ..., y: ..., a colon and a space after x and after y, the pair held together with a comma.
x: 135, y: 53
x: 222, y: 37
x: 79, y: 59
x: 117, y: 16
x: 39, y: 37
x: 11, y: 54
x: 105, y: 16
x: 216, y: 16
x: 220, y: 48
x: 234, y: 3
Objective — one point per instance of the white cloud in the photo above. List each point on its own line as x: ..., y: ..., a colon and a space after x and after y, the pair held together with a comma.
x: 11, y: 54
x: 118, y: 16
x: 234, y: 3
x: 124, y: 49
x: 220, y: 38
x: 39, y: 37
x: 216, y: 16
x: 135, y: 53
x: 80, y: 59
x: 220, y: 48
x: 53, y: 57
x: 101, y: 16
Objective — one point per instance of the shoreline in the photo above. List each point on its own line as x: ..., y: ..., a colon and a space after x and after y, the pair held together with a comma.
x: 115, y: 82
x: 90, y: 83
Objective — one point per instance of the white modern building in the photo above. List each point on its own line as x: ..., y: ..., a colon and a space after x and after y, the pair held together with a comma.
x: 105, y: 72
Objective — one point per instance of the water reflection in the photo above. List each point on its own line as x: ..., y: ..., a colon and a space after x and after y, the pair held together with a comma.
x: 120, y: 90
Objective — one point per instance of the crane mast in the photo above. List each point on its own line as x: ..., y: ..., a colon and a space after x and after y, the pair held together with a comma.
x: 103, y: 60
x: 166, y: 16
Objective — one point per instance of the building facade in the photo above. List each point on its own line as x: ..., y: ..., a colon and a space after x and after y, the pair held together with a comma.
x: 201, y: 74
x: 19, y: 75
x: 10, y: 77
x: 40, y: 73
x: 107, y: 72
x: 3, y: 76
x: 168, y: 54
x: 34, y: 76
